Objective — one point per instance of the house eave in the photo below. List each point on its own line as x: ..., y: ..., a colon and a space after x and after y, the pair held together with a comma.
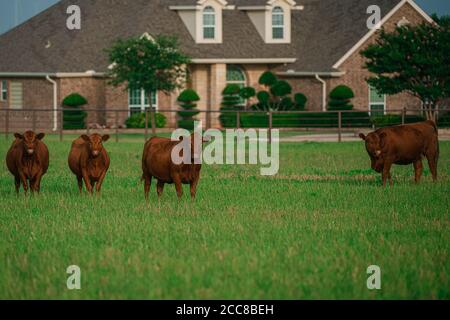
x: 245, y: 61
x: 52, y: 74
x: 332, y: 74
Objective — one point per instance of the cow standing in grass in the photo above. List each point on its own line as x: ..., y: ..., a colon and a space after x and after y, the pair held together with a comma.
x: 404, y: 145
x: 89, y: 161
x: 157, y: 162
x: 28, y: 160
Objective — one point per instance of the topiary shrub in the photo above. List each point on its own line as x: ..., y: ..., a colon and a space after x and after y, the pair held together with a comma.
x: 247, y: 93
x: 137, y: 121
x: 268, y: 79
x: 231, y: 100
x: 187, y: 100
x: 281, y: 89
x: 340, y: 98
x: 74, y: 117
x: 286, y: 104
x: 300, y: 101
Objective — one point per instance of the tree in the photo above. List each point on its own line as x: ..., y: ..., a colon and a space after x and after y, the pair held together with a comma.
x: 414, y: 59
x: 150, y: 64
x: 268, y: 79
x: 74, y: 117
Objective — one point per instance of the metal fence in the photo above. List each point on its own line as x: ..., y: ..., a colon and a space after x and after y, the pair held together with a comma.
x: 115, y: 121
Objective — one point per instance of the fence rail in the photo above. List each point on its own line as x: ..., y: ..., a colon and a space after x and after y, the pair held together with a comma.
x: 114, y: 121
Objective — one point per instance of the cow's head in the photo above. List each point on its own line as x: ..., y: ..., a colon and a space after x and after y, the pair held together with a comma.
x: 29, y: 141
x: 95, y: 143
x: 375, y: 143
x: 195, y: 141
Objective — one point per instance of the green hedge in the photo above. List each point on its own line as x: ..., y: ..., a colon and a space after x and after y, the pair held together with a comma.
x: 394, y: 119
x: 137, y: 121
x: 306, y: 120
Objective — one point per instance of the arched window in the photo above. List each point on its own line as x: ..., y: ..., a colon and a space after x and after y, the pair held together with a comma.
x: 236, y: 75
x: 209, y: 23
x: 278, y: 23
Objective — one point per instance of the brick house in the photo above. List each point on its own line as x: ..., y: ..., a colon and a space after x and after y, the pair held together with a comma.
x: 314, y: 44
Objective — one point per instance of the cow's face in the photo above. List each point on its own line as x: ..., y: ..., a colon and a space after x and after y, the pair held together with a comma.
x: 196, y: 144
x: 95, y: 143
x: 374, y: 147
x: 29, y: 141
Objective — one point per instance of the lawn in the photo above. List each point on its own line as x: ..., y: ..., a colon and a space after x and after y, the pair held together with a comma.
x: 308, y: 233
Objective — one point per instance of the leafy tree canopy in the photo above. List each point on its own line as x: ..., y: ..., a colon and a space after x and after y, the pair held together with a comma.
x: 414, y: 59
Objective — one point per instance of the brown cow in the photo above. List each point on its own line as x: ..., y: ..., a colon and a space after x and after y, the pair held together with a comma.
x: 157, y: 162
x: 403, y: 145
x: 28, y: 160
x: 89, y: 161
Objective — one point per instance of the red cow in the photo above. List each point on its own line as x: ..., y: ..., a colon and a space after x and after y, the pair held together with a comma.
x: 89, y: 161
x: 28, y: 160
x: 157, y: 162
x: 403, y: 145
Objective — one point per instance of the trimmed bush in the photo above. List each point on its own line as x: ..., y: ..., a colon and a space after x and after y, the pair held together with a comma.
x: 74, y: 117
x: 286, y: 104
x: 268, y: 79
x: 340, y: 98
x: 137, y: 121
x: 247, y: 93
x: 230, y: 102
x: 281, y: 88
x: 74, y: 100
x: 300, y: 101
x: 187, y: 100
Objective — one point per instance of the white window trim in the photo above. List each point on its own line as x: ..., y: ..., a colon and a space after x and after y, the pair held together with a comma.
x: 287, y: 13
x: 143, y: 106
x: 3, y: 90
x: 370, y: 103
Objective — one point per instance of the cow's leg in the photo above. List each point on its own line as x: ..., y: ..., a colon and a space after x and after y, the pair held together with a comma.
x: 194, y: 188
x: 147, y: 185
x: 87, y: 181
x: 433, y: 164
x: 178, y: 185
x: 37, y: 182
x: 17, y: 183
x: 160, y: 188
x: 80, y: 183
x: 24, y: 180
x: 418, y: 169
x: 100, y: 182
x: 386, y: 172
x: 391, y: 181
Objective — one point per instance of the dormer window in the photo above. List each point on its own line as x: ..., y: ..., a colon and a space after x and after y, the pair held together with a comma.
x: 278, y: 23
x: 273, y: 20
x: 209, y: 23
x: 204, y: 19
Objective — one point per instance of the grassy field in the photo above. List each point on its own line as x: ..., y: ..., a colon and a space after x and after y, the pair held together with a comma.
x: 308, y: 233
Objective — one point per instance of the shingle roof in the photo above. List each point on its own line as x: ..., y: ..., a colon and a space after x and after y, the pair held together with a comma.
x: 322, y: 33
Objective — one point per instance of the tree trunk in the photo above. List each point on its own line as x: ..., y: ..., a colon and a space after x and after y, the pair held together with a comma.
x: 152, y: 115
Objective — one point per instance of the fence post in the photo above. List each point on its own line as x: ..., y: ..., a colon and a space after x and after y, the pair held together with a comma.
x: 340, y: 126
x: 7, y: 124
x: 61, y: 124
x: 270, y: 126
x: 403, y: 116
x: 146, y: 125
x: 238, y: 119
x: 34, y: 120
x: 117, y: 125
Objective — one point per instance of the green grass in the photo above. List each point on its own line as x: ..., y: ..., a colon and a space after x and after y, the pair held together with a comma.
x: 308, y: 233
